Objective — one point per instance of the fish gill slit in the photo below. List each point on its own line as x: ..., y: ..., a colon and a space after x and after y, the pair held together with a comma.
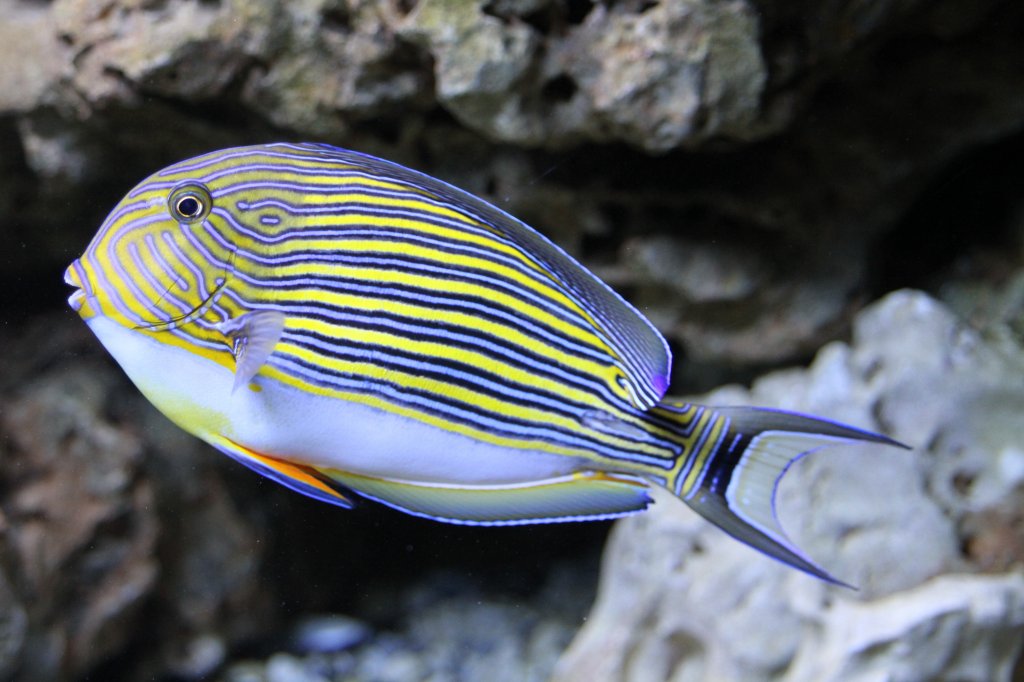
x: 175, y: 322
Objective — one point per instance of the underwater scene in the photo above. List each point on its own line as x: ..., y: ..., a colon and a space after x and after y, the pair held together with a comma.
x: 511, y: 340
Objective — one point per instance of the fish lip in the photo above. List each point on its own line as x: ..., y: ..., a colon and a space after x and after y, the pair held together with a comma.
x: 76, y: 300
x: 73, y: 276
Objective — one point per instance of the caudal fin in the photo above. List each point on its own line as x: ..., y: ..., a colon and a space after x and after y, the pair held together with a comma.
x: 732, y: 481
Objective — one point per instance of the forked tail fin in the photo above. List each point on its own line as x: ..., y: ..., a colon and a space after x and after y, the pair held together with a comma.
x: 732, y: 479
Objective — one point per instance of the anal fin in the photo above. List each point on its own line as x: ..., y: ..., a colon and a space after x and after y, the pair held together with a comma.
x: 299, y: 477
x: 581, y: 496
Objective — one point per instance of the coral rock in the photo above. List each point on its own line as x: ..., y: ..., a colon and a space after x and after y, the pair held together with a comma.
x: 681, y: 600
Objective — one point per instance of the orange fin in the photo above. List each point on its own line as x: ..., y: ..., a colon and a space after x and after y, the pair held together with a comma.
x: 299, y: 477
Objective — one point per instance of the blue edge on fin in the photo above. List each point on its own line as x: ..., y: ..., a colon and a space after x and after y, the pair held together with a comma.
x: 340, y: 497
x: 710, y: 503
x: 506, y: 522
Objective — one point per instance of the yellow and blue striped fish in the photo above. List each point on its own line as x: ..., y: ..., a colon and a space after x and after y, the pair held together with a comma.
x: 345, y: 325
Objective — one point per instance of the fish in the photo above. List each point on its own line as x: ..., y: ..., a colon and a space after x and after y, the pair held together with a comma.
x: 352, y: 328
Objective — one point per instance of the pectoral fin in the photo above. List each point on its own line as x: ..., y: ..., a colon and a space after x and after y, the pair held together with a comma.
x: 576, y: 497
x: 253, y: 337
x: 298, y: 477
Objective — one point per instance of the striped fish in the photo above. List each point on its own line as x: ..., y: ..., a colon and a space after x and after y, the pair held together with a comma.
x: 349, y: 327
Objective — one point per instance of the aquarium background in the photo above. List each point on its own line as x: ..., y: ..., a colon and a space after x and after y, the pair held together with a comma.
x: 819, y: 203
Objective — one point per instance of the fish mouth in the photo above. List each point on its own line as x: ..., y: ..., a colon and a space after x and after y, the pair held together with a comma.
x: 74, y: 277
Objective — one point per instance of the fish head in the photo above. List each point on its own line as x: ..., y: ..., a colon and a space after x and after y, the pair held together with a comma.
x: 156, y: 260
x: 155, y: 286
x: 152, y: 283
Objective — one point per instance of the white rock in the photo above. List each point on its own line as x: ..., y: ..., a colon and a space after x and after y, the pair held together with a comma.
x: 679, y: 600
x: 954, y: 627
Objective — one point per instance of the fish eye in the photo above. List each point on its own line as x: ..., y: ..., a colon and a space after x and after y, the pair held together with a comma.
x: 189, y: 207
x: 189, y: 203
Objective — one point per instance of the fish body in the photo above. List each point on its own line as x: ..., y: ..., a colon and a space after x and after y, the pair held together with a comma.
x: 348, y: 326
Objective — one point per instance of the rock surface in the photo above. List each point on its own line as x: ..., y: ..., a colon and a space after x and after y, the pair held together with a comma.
x: 785, y: 136
x: 749, y: 172
x: 923, y: 534
x: 447, y: 632
x: 657, y: 76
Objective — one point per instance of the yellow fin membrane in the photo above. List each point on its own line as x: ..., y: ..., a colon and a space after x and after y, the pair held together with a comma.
x: 582, y: 496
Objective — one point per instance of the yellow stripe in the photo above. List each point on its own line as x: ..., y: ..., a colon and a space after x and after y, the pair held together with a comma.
x: 680, y: 422
x: 375, y: 401
x: 548, y: 290
x: 221, y: 357
x: 509, y: 372
x: 382, y: 276
x: 509, y: 335
x: 348, y: 218
x: 701, y: 458
x: 477, y: 399
x: 457, y: 391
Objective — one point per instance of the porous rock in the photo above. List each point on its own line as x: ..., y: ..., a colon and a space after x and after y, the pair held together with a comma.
x: 672, y: 73
x: 116, y: 51
x: 792, y: 139
x: 73, y: 506
x: 448, y: 629
x: 767, y: 148
x: 337, y: 63
x: 680, y: 600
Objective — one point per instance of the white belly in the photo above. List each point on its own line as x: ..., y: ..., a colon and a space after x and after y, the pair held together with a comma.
x: 287, y: 423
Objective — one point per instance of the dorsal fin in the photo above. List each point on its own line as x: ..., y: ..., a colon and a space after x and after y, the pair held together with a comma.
x: 642, y: 351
